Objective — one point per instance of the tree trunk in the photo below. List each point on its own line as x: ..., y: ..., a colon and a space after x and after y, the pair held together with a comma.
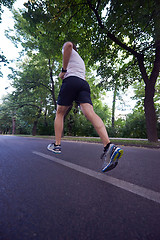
x: 45, y: 118
x: 13, y: 125
x: 150, y: 113
x: 34, y: 129
x: 52, y: 84
x: 114, y: 105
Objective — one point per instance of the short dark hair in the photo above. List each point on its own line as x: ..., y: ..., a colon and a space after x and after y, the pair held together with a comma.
x: 74, y: 47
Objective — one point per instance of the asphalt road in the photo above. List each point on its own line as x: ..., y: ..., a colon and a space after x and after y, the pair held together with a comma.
x: 66, y: 197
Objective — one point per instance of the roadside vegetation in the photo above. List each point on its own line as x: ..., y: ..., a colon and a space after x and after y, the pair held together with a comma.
x: 119, y: 141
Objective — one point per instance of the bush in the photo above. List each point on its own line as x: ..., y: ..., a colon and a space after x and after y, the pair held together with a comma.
x: 135, y: 126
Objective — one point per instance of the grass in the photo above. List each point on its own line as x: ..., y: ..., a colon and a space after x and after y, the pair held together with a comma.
x: 124, y: 142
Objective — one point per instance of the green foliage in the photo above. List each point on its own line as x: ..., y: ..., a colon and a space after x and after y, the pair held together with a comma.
x: 7, y: 112
x: 8, y: 4
x: 120, y: 36
x: 118, y: 129
x: 5, y: 120
x: 135, y: 126
x: 77, y: 125
x: 46, y: 125
x: 32, y: 96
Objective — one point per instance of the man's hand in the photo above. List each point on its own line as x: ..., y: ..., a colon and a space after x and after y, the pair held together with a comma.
x: 61, y: 75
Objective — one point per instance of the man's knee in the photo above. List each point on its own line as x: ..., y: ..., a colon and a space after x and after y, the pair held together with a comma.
x: 61, y: 110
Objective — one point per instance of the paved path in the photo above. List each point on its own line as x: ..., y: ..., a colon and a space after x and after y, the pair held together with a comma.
x: 48, y: 197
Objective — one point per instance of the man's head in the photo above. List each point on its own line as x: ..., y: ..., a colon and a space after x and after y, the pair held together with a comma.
x: 74, y: 46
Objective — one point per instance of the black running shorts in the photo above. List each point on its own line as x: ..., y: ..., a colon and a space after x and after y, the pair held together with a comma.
x: 74, y: 89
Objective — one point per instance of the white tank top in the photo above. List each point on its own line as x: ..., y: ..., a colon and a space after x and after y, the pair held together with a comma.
x: 76, y: 66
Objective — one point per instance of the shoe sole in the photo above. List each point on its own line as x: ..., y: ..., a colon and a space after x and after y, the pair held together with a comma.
x: 114, y: 160
x: 56, y: 152
x: 118, y: 155
x: 109, y: 168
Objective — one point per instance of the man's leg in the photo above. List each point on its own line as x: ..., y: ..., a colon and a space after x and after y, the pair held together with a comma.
x: 96, y: 121
x: 111, y: 153
x: 58, y: 123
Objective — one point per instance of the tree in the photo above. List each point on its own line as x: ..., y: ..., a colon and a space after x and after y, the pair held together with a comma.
x: 35, y: 37
x: 136, y: 20
x: 140, y: 22
x: 7, y: 115
x: 8, y: 4
x: 33, y: 90
x: 139, y: 92
x: 5, y: 118
x: 112, y: 80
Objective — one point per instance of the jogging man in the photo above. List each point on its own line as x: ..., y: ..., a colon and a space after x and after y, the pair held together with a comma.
x: 76, y: 88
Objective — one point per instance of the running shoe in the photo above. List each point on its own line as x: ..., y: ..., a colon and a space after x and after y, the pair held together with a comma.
x: 111, y: 157
x: 54, y: 148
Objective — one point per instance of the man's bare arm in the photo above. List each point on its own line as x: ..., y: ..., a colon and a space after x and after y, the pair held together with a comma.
x: 67, y: 50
